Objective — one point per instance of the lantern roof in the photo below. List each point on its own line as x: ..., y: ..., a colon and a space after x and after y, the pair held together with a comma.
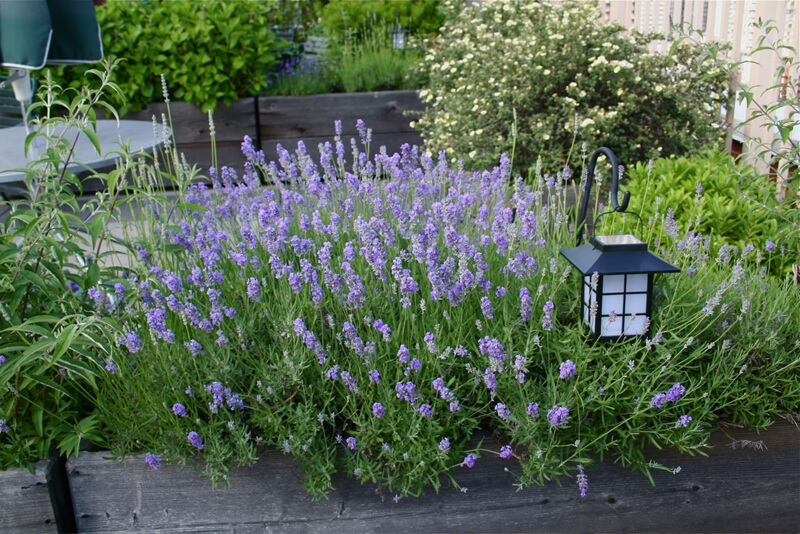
x: 616, y: 254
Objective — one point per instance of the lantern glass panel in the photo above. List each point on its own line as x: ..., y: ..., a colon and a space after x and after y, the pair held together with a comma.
x: 637, y: 282
x: 610, y: 328
x: 613, y: 283
x: 635, y: 326
x: 624, y: 297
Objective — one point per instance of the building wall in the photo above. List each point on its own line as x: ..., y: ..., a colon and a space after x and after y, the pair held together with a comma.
x: 723, y: 20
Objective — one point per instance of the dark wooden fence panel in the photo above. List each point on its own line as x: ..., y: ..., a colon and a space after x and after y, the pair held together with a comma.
x: 25, y: 501
x: 287, y: 120
x: 733, y: 490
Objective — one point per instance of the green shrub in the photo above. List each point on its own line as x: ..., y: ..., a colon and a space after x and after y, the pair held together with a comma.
x: 341, y: 17
x: 53, y: 258
x: 370, y: 63
x: 351, y: 66
x: 710, y: 196
x: 564, y: 74
x: 209, y: 50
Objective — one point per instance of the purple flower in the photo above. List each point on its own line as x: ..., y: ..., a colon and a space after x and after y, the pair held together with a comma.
x: 2, y: 360
x: 506, y: 451
x: 194, y: 347
x: 426, y: 410
x: 533, y: 409
x: 195, y: 440
x: 375, y: 376
x: 502, y: 412
x: 583, y: 481
x: 500, y: 292
x: 490, y: 379
x: 378, y: 410
x: 111, y: 367
x: 352, y: 443
x: 430, y: 342
x: 469, y: 460
x: 157, y: 321
x: 403, y: 354
x: 525, y: 303
x: 152, y: 460
x: 444, y: 445
x: 253, y: 289
x: 179, y: 409
x: 486, y: 307
x: 406, y: 391
x: 547, y: 320
x: 132, y: 342
x: 675, y: 392
x: 557, y: 415
x: 683, y: 421
x: 566, y: 369
x: 3, y: 426
x: 658, y: 400
x: 770, y: 246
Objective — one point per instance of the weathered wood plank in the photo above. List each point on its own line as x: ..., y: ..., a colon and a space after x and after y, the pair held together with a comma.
x: 25, y: 501
x: 313, y: 116
x: 392, y: 141
x: 733, y: 490
x: 190, y: 123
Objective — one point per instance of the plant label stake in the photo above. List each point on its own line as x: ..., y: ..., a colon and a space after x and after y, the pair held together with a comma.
x: 616, y: 270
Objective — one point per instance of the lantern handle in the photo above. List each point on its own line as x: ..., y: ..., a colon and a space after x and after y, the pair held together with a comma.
x: 587, y: 188
x: 609, y: 212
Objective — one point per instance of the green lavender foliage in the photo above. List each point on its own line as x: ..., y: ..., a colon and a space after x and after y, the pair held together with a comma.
x: 722, y: 329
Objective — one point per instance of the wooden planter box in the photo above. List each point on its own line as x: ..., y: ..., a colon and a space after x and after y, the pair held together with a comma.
x: 287, y: 120
x: 25, y: 501
x: 735, y: 489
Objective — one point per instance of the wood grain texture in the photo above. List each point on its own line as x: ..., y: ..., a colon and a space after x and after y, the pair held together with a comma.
x: 25, y: 501
x: 313, y: 116
x: 190, y: 123
x: 733, y: 490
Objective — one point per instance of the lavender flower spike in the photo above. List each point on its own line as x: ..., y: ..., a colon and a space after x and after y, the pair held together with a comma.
x: 195, y: 439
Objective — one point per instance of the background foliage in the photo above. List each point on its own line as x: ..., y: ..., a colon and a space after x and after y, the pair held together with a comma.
x: 210, y: 51
x: 564, y: 74
x: 341, y: 17
x: 719, y: 194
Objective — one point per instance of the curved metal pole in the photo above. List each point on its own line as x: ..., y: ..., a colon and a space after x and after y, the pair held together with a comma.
x: 587, y: 188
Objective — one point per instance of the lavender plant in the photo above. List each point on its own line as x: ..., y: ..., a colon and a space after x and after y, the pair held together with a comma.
x: 374, y: 315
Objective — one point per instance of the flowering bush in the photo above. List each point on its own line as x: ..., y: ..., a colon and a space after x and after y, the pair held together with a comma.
x: 368, y: 316
x: 554, y: 73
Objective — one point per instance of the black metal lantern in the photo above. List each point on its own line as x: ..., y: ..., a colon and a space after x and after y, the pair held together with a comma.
x: 616, y: 270
x: 398, y: 34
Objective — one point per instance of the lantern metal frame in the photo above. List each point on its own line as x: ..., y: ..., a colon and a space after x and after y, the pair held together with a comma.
x: 398, y: 34
x: 616, y: 255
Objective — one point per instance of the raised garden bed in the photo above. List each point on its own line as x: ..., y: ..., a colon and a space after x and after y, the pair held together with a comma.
x: 287, y: 120
x: 739, y: 487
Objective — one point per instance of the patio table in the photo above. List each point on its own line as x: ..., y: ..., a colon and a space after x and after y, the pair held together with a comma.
x: 138, y: 134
